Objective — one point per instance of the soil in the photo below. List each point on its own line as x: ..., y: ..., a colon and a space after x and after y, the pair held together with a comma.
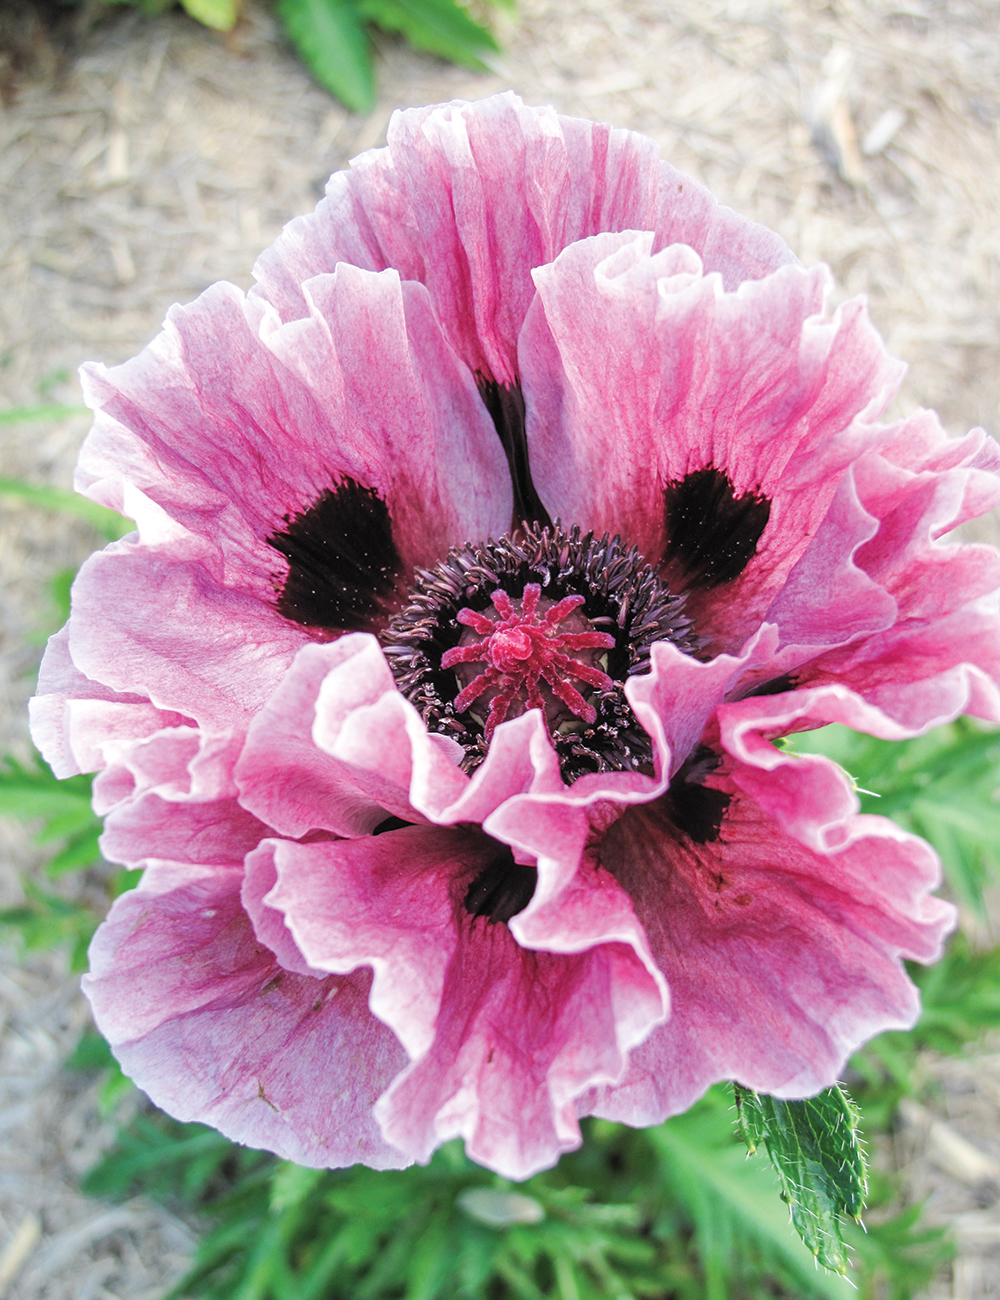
x: 147, y: 158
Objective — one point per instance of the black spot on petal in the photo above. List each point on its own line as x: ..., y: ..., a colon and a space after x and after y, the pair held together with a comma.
x: 776, y: 686
x: 391, y: 824
x: 695, y: 808
x: 501, y: 889
x: 505, y: 404
x: 712, y: 534
x: 342, y: 560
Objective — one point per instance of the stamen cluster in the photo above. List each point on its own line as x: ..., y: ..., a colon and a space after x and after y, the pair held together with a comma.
x: 591, y: 588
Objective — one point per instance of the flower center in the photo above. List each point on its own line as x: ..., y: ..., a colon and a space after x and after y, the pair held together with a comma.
x: 529, y: 657
x: 541, y: 619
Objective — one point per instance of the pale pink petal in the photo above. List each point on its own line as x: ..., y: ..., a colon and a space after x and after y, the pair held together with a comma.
x: 148, y: 826
x: 503, y: 1039
x: 205, y: 1020
x: 942, y: 652
x: 469, y: 198
x: 157, y: 625
x: 292, y: 783
x: 672, y: 377
x: 366, y: 388
x: 74, y: 719
x: 259, y: 877
x: 780, y: 960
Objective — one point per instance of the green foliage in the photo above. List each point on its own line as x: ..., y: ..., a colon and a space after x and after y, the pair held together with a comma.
x: 440, y: 26
x: 219, y: 14
x: 332, y: 36
x: 92, y: 1053
x: 942, y: 786
x: 44, y: 413
x: 816, y: 1152
x: 334, y: 46
x: 899, y: 1256
x: 63, y: 808
x: 630, y: 1215
x: 108, y: 523
x: 961, y: 1002
x: 44, y: 920
x: 66, y: 820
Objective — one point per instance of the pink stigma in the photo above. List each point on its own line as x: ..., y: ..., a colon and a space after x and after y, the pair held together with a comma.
x: 524, y: 649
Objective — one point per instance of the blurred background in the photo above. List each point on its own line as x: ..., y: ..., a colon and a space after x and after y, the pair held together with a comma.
x: 142, y: 158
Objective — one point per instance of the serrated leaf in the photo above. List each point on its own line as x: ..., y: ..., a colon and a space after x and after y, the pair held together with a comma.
x: 220, y: 15
x: 107, y: 522
x: 440, y: 26
x: 816, y: 1152
x: 334, y: 47
x: 729, y: 1195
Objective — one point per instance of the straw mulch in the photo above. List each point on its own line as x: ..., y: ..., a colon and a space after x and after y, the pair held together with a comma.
x: 160, y: 158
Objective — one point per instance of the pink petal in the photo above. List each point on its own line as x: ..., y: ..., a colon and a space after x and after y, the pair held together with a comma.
x: 179, y: 638
x: 807, y: 795
x: 673, y: 376
x: 780, y: 960
x: 503, y: 1039
x: 942, y: 653
x: 205, y: 1021
x: 468, y: 198
x: 366, y: 387
x: 148, y: 826
x: 75, y: 719
x: 259, y: 877
x: 291, y: 783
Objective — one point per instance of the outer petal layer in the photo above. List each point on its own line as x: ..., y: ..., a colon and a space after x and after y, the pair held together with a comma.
x: 469, y: 198
x: 781, y: 959
x: 503, y: 1039
x: 205, y: 1020
x: 674, y: 377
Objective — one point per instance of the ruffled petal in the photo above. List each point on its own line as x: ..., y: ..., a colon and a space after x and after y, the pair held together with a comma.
x: 469, y: 198
x: 942, y: 651
x: 502, y: 1039
x: 75, y: 720
x: 781, y: 959
x: 156, y: 624
x: 364, y: 388
x: 286, y: 778
x: 806, y: 794
x: 710, y: 429
x: 205, y: 1020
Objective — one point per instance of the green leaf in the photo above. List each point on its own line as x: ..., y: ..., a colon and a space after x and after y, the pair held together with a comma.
x: 334, y: 47
x: 220, y: 15
x: 63, y: 807
x: 733, y: 1201
x: 92, y: 1052
x: 441, y: 26
x: 816, y: 1152
x: 81, y: 851
x: 108, y: 523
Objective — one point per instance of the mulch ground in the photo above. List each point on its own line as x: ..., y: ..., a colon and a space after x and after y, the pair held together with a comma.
x: 147, y: 159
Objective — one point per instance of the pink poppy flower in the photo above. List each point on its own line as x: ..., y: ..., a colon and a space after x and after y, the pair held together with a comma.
x: 483, y: 550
